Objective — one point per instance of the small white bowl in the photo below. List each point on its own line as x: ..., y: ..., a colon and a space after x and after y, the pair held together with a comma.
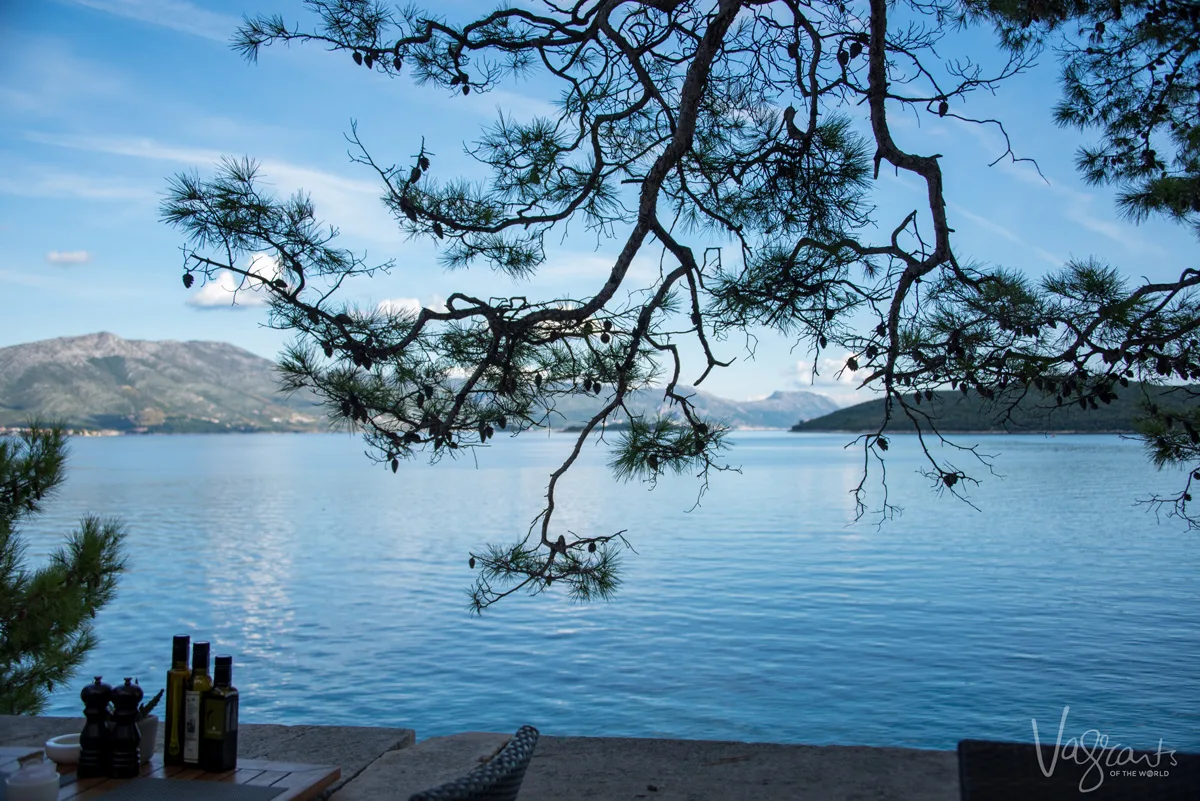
x: 63, y: 749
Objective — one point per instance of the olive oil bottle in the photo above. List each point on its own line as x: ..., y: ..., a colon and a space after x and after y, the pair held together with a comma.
x: 177, y: 678
x: 197, y: 685
x: 218, y: 740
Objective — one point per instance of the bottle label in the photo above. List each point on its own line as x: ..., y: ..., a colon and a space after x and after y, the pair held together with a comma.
x: 191, y: 727
x: 220, y: 717
x: 214, y: 718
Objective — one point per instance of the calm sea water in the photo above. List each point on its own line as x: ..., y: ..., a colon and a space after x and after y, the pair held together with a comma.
x: 763, y: 615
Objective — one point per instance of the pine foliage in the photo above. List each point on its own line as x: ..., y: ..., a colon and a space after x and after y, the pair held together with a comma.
x: 715, y: 137
x: 46, y: 613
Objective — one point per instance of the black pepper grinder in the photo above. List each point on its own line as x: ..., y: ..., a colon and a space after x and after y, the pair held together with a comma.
x: 93, y: 740
x: 124, y: 760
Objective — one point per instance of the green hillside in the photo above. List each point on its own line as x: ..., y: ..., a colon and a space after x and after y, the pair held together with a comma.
x: 103, y: 382
x: 1036, y: 413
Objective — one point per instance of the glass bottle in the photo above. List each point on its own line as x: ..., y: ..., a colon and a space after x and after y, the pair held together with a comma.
x: 177, y: 678
x: 218, y: 743
x: 197, y: 684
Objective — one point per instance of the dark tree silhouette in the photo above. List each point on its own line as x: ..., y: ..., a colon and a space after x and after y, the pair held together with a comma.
x: 46, y: 614
x: 718, y: 136
x: 1134, y: 73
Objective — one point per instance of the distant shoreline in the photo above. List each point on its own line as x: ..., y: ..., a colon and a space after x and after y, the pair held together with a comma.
x: 111, y: 432
x: 956, y: 431
x: 890, y: 433
x: 92, y: 433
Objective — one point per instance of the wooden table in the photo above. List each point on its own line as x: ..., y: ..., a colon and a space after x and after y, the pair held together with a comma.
x: 301, y: 781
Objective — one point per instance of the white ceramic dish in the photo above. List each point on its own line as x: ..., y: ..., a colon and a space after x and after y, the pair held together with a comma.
x: 63, y: 749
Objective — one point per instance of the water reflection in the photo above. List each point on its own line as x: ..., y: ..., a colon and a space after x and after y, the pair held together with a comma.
x: 248, y: 574
x: 759, y: 615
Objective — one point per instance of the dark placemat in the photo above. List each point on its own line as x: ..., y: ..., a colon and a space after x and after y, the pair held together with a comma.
x: 179, y: 790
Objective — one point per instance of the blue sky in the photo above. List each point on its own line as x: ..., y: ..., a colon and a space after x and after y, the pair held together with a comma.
x: 103, y: 100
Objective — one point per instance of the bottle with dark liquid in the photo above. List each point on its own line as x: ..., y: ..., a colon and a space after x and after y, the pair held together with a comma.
x: 177, y: 678
x: 218, y: 740
x: 124, y: 756
x: 197, y: 684
x: 93, y: 740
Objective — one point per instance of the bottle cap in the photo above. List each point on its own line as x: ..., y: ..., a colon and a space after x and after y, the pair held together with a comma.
x: 179, y: 648
x: 200, y: 657
x: 223, y: 672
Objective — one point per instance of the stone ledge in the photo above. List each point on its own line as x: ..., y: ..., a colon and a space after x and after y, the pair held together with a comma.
x: 619, y: 768
x: 380, y: 763
x: 625, y: 769
x: 400, y: 774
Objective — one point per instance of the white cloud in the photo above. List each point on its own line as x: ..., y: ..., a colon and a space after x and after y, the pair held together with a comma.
x: 514, y: 105
x: 400, y: 306
x: 829, y: 371
x: 266, y: 265
x: 58, y: 284
x: 56, y: 82
x: 991, y: 225
x: 1053, y: 258
x: 44, y: 182
x: 927, y: 128
x: 139, y: 147
x: 357, y: 203
x: 571, y: 267
x: 906, y: 180
x: 27, y: 280
x: 991, y: 138
x: 841, y: 386
x: 1117, y: 232
x: 996, y: 227
x: 1027, y: 173
x: 68, y: 257
x: 411, y: 306
x: 521, y: 107
x: 1078, y: 210
x: 219, y: 291
x: 177, y: 15
x: 227, y: 290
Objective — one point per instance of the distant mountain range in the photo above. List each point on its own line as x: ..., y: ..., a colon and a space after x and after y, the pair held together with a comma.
x: 1036, y: 413
x: 779, y: 410
x: 103, y: 382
